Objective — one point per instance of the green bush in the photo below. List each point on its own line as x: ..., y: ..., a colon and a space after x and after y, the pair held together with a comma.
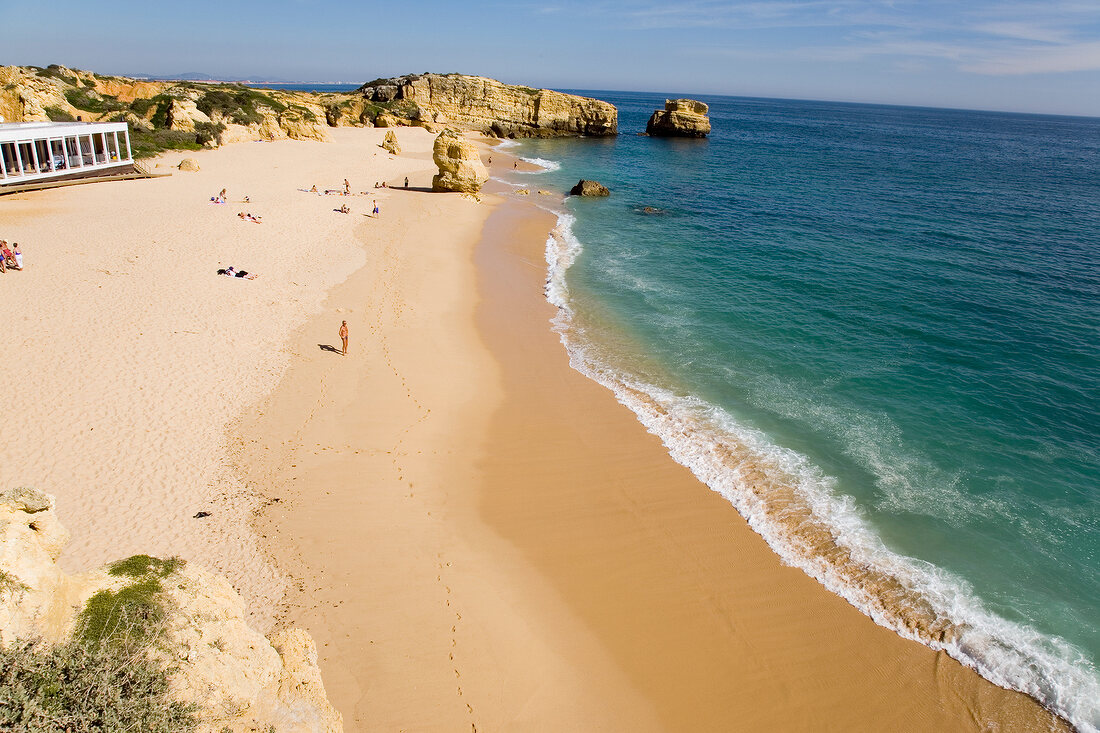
x: 82, y: 687
x: 56, y: 114
x: 149, y: 144
x: 239, y: 104
x: 207, y: 132
x: 53, y: 71
x: 89, y: 101
x: 105, y: 677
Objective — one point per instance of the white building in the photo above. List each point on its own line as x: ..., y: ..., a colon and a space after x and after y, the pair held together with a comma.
x: 41, y: 151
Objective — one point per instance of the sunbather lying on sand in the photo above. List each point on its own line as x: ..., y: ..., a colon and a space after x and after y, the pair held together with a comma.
x: 249, y: 217
x: 232, y: 272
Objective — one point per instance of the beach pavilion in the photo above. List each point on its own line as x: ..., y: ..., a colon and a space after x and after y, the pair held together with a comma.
x: 36, y: 152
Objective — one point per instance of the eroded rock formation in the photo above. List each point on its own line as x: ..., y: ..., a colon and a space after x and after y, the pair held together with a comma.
x: 680, y: 118
x: 460, y: 166
x: 390, y: 143
x: 492, y: 107
x: 240, y: 680
x: 589, y: 188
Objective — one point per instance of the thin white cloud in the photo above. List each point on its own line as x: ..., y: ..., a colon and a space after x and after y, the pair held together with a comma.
x: 1062, y: 59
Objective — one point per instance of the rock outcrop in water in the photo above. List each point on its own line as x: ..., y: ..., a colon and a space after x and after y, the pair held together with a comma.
x: 589, y: 188
x: 239, y: 680
x: 492, y: 107
x: 460, y: 166
x: 680, y: 118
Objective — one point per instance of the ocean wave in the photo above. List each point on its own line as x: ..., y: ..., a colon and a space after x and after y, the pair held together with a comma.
x: 795, y: 507
x: 543, y: 163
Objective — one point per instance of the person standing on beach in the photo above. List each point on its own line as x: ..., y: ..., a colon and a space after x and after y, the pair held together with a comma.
x: 344, y: 337
x: 375, y: 209
x: 347, y: 188
x: 406, y: 181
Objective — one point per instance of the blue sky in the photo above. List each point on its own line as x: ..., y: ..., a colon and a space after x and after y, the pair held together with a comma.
x: 980, y: 54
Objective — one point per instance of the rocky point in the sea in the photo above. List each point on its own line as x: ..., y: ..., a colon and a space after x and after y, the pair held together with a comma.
x: 492, y: 107
x: 460, y: 166
x: 589, y: 188
x: 680, y: 118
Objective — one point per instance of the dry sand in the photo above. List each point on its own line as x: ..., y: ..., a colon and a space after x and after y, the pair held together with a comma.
x: 125, y: 356
x: 478, y: 537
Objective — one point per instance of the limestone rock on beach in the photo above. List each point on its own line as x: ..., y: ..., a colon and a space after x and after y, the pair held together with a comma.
x: 460, y: 166
x: 239, y: 680
x: 680, y: 118
x: 189, y: 164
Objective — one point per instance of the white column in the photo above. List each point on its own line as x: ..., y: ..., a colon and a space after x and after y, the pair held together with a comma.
x: 3, y: 163
x: 129, y: 150
x: 118, y: 150
x: 106, y: 151
x: 19, y: 158
x: 34, y: 156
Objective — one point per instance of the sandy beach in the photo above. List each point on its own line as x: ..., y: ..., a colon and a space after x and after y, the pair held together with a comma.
x: 477, y: 536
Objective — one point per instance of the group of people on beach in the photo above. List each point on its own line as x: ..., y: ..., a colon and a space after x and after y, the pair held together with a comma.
x: 10, y: 257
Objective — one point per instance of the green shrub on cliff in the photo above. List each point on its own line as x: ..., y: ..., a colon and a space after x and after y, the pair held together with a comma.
x: 133, y: 614
x: 239, y: 104
x: 80, y: 687
x: 89, y: 101
x: 104, y: 678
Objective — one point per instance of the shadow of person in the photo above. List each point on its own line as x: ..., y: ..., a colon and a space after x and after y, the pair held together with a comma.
x: 329, y: 347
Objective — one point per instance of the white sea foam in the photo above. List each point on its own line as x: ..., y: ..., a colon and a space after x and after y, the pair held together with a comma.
x: 543, y: 163
x: 704, y: 438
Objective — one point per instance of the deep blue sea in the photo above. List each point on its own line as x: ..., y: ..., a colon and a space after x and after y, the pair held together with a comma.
x: 876, y: 331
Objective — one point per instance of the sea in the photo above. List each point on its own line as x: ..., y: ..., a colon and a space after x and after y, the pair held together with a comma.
x: 875, y: 331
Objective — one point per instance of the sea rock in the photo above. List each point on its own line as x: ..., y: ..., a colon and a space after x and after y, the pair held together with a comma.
x: 189, y: 164
x: 240, y: 680
x: 390, y: 143
x: 680, y: 118
x: 589, y: 188
x: 460, y: 166
x: 494, y: 108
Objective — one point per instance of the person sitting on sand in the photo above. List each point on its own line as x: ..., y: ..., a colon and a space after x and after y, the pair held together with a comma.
x: 18, y: 257
x: 222, y: 196
x: 3, y: 259
x: 344, y: 209
x: 314, y: 189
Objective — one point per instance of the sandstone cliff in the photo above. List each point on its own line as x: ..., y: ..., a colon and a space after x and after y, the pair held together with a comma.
x: 492, y: 107
x: 162, y: 114
x: 171, y: 115
x: 237, y: 679
x: 680, y: 118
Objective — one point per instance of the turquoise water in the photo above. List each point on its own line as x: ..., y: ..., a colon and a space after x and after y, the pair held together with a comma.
x: 876, y: 331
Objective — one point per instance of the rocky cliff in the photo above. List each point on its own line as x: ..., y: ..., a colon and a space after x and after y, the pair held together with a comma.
x: 492, y: 107
x: 162, y: 114
x: 190, y: 623
x: 680, y: 118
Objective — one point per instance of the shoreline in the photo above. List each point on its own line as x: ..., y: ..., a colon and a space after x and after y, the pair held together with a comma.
x: 474, y: 533
x: 560, y: 553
